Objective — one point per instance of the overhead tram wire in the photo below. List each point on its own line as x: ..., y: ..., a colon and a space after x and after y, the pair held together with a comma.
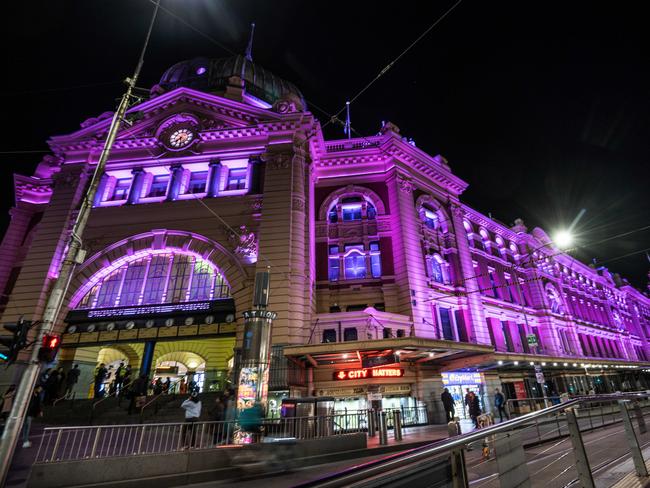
x: 392, y: 63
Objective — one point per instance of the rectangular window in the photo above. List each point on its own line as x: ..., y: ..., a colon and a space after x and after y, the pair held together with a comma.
x: 350, y: 334
x: 156, y: 279
x: 506, y: 336
x: 434, y: 269
x: 334, y: 263
x: 388, y: 333
x: 237, y: 179
x: 493, y: 283
x: 354, y: 262
x: 351, y: 212
x: 564, y: 338
x: 329, y: 335
x: 159, y: 186
x: 375, y: 260
x: 445, y: 322
x: 198, y: 181
x: 121, y: 190
x: 523, y: 338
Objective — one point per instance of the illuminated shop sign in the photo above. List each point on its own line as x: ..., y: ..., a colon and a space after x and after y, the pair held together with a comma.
x: 365, y: 373
x: 461, y: 378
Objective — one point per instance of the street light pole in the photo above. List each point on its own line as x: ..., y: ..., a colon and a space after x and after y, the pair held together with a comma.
x: 57, y: 294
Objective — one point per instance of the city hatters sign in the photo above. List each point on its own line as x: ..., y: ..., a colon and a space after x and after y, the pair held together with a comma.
x: 367, y: 373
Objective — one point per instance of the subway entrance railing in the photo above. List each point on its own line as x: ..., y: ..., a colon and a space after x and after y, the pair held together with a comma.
x: 595, y: 441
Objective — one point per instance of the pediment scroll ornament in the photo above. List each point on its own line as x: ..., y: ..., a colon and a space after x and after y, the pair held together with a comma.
x: 279, y: 161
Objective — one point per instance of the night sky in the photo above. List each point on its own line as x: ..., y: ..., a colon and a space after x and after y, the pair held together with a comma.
x: 542, y: 107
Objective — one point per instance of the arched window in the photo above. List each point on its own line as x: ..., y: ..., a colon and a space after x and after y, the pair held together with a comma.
x: 554, y: 300
x: 155, y: 276
x: 350, y: 209
x: 485, y: 239
x: 437, y: 268
x: 429, y: 218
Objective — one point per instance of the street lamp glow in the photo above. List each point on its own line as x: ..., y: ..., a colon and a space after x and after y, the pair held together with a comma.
x: 563, y: 239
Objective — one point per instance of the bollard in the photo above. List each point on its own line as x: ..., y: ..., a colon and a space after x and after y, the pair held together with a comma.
x: 383, y: 429
x: 453, y: 428
x: 371, y: 423
x: 639, y: 417
x: 397, y: 425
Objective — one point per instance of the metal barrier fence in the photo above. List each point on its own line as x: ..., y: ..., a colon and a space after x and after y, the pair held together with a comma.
x: 71, y: 443
x: 597, y: 441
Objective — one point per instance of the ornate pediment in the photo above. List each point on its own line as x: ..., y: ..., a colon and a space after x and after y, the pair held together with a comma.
x: 210, y: 115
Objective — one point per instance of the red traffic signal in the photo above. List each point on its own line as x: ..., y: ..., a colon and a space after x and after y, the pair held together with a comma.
x: 49, y: 348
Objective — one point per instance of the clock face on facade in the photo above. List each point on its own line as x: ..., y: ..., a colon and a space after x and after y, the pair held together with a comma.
x: 180, y: 138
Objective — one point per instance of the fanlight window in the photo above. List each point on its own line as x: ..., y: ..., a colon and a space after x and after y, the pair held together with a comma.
x: 154, y: 277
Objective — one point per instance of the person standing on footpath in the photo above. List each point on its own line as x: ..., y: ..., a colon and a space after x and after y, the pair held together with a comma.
x: 71, y: 379
x: 34, y: 410
x: 500, y: 404
x: 448, y: 403
x: 100, y: 376
x: 474, y: 408
x: 192, y: 407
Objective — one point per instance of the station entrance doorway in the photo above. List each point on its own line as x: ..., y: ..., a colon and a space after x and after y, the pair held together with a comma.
x: 458, y: 384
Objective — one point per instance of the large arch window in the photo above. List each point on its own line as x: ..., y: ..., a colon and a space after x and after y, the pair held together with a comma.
x: 155, y: 276
x: 554, y: 299
x: 429, y: 218
x: 350, y: 209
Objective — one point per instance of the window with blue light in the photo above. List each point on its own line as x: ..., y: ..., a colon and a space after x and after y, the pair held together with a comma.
x: 375, y: 260
x: 333, y: 216
x: 354, y: 262
x: 159, y: 186
x: 237, y: 178
x: 371, y: 211
x: 429, y: 218
x: 351, y: 211
x: 198, y: 181
x: 121, y: 190
x: 434, y: 268
x: 334, y: 264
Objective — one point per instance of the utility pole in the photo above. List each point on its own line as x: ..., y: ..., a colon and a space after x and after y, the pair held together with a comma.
x: 73, y: 256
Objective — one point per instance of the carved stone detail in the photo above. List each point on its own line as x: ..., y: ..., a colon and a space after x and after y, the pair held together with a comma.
x: 279, y: 161
x: 405, y: 183
x: 256, y: 205
x: 298, y: 204
x: 244, y: 242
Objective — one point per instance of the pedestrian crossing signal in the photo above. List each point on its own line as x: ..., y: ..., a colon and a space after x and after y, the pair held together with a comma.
x: 49, y: 348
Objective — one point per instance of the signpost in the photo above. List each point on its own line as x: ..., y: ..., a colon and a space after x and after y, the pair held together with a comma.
x: 532, y: 340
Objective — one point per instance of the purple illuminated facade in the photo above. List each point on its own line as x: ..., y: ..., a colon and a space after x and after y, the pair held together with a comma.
x: 371, y: 250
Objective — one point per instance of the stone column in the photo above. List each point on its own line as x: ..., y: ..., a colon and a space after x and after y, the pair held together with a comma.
x: 175, y: 184
x: 214, y: 177
x: 254, y: 175
x: 100, y: 190
x: 475, y: 318
x: 136, y: 186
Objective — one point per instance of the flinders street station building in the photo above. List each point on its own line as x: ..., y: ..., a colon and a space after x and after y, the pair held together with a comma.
x: 387, y: 287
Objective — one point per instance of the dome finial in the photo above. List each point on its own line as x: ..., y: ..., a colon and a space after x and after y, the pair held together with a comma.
x: 249, y: 48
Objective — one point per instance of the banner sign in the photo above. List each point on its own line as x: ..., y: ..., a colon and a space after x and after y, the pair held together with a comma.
x: 366, y: 373
x: 462, y: 378
x: 376, y: 361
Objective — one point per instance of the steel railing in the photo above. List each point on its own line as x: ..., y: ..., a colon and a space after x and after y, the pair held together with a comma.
x: 447, y: 458
x: 91, y: 442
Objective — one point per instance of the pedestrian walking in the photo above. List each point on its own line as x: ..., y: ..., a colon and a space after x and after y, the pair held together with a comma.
x: 448, y: 404
x: 474, y: 408
x: 52, y: 386
x: 167, y: 385
x: 192, y: 407
x: 158, y: 387
x: 128, y: 373
x: 500, y: 404
x: 219, y: 415
x: 466, y: 400
x: 119, y: 378
x: 137, y: 392
x: 8, y: 402
x: 182, y: 388
x: 71, y: 380
x: 100, y: 375
x: 35, y: 409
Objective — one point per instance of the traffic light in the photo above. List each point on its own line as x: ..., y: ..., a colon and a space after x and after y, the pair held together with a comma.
x: 49, y: 348
x: 17, y: 342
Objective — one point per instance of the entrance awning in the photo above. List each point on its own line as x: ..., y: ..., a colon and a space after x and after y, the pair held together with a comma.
x: 408, y: 349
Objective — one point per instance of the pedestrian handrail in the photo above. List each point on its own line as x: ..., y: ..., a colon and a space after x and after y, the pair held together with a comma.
x: 69, y: 443
x: 413, y: 458
x: 115, y: 394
